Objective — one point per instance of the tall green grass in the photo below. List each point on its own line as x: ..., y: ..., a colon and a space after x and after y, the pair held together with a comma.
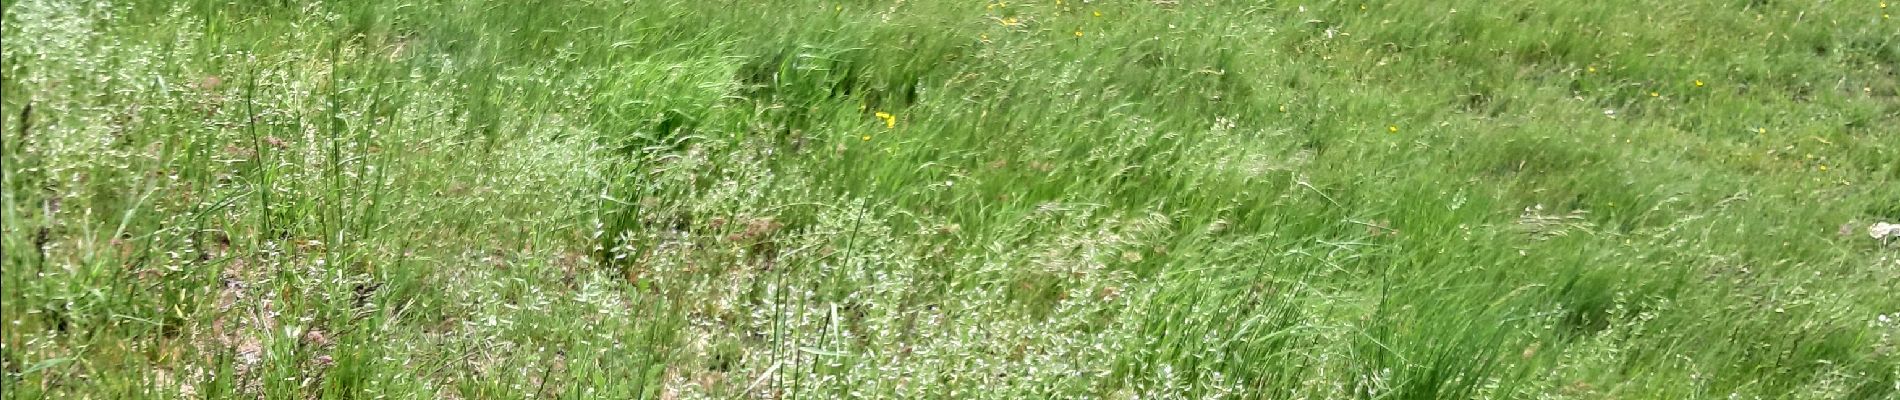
x: 920, y: 199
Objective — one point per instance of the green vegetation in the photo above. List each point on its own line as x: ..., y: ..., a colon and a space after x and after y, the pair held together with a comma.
x: 1409, y: 199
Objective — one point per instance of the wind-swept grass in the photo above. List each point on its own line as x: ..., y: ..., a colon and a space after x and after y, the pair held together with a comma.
x: 905, y: 199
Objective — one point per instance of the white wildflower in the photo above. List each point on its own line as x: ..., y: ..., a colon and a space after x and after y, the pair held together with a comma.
x: 1884, y: 230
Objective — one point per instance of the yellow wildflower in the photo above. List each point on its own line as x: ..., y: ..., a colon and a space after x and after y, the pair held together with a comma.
x: 1392, y: 129
x: 866, y: 138
x: 1593, y: 69
x: 1823, y: 167
x: 1698, y: 83
x: 1078, y: 33
x: 890, y: 121
x: 1098, y: 13
x: 1011, y: 21
x: 1654, y: 94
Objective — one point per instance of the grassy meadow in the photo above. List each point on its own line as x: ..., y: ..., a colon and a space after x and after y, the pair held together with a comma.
x: 719, y: 199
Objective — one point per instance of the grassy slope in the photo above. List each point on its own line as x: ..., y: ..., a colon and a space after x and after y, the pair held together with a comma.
x: 1402, y: 199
